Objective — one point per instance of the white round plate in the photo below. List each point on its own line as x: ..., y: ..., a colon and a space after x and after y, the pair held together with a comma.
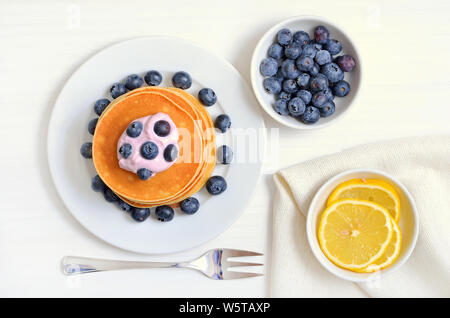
x: 72, y: 173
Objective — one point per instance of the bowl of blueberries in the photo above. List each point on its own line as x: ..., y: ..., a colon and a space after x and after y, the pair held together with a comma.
x: 306, y: 72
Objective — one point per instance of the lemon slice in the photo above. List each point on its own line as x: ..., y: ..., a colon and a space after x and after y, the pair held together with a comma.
x: 373, y: 190
x: 354, y: 233
x: 390, y: 255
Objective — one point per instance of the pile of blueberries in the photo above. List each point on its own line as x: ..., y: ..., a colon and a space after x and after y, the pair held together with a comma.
x: 305, y: 74
x: 164, y: 213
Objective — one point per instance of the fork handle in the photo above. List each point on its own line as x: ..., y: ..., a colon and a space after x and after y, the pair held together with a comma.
x: 73, y: 265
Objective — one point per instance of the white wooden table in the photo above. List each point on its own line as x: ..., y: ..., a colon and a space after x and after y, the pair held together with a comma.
x: 405, y: 46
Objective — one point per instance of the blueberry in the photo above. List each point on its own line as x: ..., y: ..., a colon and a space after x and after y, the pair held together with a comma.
x: 144, y: 174
x: 311, y: 115
x: 133, y: 81
x: 333, y: 46
x: 109, y: 195
x: 207, y: 96
x: 222, y: 122
x: 284, y: 37
x: 315, y: 70
x: 189, y: 205
x: 124, y: 206
x: 140, y: 214
x: 319, y: 99
x: 97, y: 184
x: 275, y: 51
x: 296, y: 106
x: 149, y: 150
x: 162, y: 128
x: 134, y: 129
x: 329, y: 94
x: 321, y: 34
x: 164, y: 213
x: 305, y: 96
x: 289, y: 69
x: 170, y: 153
x: 346, y: 63
x: 332, y: 72
x: 305, y: 63
x: 293, y: 50
x: 318, y: 83
x: 126, y: 150
x: 301, y: 37
x: 341, y: 88
x: 303, y: 80
x: 182, y: 80
x: 316, y: 45
x: 117, y: 89
x: 327, y: 109
x: 290, y: 86
x: 268, y: 66
x: 86, y: 150
x: 272, y: 85
x: 284, y: 95
x: 279, y: 75
x: 309, y: 50
x: 91, y: 125
x: 216, y: 185
x: 280, y: 107
x: 153, y: 78
x: 224, y: 154
x: 101, y: 105
x: 323, y: 57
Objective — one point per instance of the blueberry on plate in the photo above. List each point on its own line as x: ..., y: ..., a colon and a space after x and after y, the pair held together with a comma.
x: 170, y: 153
x: 311, y: 115
x: 181, y: 80
x: 268, y: 66
x: 86, y: 150
x: 305, y: 63
x: 301, y: 37
x: 305, y: 96
x: 323, y: 57
x: 290, y: 86
x: 280, y: 106
x: 333, y: 72
x: 341, y: 88
x: 333, y: 46
x: 222, y: 122
x: 328, y: 93
x: 293, y: 50
x: 207, y: 96
x: 164, y: 213
x: 91, y: 125
x: 149, y: 150
x: 327, y: 109
x: 124, y: 206
x: 296, y: 107
x: 101, y: 105
x: 140, y: 214
x: 346, y: 62
x: 224, y: 154
x: 284, y: 37
x: 133, y: 81
x: 109, y: 195
x: 144, y: 174
x: 275, y: 51
x: 321, y: 34
x: 126, y: 150
x: 117, y: 89
x: 303, y: 80
x: 289, y: 70
x: 316, y: 45
x: 134, y: 129
x: 153, y: 78
x: 319, y: 99
x: 284, y: 95
x: 189, y: 205
x: 162, y: 128
x: 315, y: 70
x: 318, y: 83
x: 216, y: 185
x: 309, y: 50
x: 97, y: 184
x: 272, y: 85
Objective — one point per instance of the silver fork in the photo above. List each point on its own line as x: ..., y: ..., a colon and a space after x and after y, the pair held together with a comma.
x: 214, y: 264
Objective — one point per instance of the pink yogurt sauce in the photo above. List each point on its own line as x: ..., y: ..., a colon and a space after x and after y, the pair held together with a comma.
x: 135, y: 161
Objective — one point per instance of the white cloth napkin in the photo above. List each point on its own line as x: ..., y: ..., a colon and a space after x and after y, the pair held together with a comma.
x: 422, y: 164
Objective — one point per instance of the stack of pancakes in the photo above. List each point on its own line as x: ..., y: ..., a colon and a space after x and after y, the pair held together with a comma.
x: 194, y: 164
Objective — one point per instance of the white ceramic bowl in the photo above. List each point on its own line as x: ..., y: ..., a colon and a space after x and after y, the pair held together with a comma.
x: 307, y: 24
x: 409, y: 223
